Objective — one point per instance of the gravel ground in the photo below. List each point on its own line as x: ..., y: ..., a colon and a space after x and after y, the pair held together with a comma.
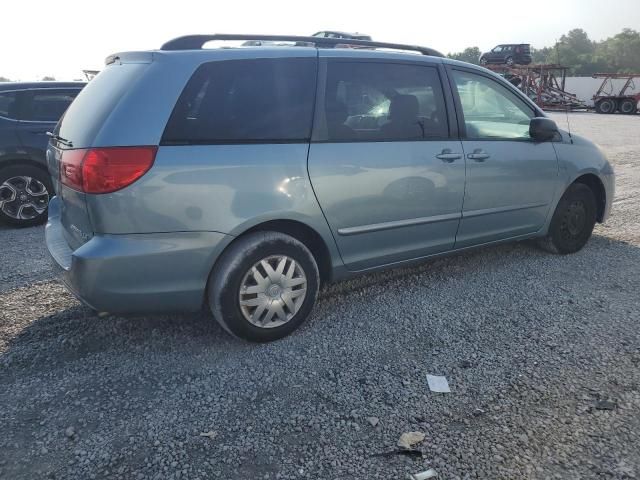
x: 542, y: 354
x: 18, y: 269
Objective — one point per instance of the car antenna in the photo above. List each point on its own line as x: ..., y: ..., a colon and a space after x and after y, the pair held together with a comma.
x: 566, y: 112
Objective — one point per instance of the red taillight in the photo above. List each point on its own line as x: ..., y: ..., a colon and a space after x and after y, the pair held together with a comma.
x: 105, y: 170
x: 71, y: 168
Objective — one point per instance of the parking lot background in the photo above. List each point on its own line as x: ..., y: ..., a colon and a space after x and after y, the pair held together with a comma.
x: 542, y: 353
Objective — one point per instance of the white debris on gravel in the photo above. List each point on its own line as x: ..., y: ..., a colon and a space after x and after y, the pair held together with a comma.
x: 431, y: 473
x: 409, y: 439
x: 438, y: 384
x: 544, y: 339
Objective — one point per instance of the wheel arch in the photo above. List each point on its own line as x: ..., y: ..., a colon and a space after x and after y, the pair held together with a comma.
x: 12, y: 162
x: 597, y: 187
x: 302, y: 232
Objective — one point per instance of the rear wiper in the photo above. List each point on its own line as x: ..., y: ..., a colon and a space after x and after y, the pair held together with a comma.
x: 58, y: 138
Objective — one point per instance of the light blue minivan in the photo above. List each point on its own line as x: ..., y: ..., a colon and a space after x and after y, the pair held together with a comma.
x: 243, y: 178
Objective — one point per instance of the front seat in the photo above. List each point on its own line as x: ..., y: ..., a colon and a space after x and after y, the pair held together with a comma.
x: 403, y: 119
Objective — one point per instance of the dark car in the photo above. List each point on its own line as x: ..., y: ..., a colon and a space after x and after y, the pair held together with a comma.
x: 27, y: 112
x: 510, y: 54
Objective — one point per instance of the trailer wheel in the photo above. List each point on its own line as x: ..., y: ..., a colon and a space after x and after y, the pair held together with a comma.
x: 628, y: 106
x: 606, y: 105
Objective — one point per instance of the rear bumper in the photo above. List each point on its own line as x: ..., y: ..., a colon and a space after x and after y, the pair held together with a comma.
x: 139, y: 273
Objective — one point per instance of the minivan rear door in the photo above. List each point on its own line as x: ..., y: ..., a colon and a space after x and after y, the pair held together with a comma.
x: 78, y: 130
x: 384, y: 161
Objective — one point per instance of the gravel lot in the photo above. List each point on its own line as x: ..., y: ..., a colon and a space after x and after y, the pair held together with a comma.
x: 533, y: 345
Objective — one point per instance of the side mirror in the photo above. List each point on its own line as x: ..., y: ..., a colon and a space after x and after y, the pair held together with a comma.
x: 542, y: 129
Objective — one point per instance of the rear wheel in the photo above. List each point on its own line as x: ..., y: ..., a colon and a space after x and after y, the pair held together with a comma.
x: 628, y: 106
x: 606, y: 105
x: 24, y: 195
x: 264, y: 286
x: 509, y: 61
x: 572, y: 222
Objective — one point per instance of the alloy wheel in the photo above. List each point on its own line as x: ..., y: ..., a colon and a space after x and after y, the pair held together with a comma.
x: 23, y: 198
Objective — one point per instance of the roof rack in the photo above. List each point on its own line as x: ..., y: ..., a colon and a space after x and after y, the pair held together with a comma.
x: 195, y: 42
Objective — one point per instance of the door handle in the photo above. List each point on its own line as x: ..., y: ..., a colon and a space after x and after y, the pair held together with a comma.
x: 478, y: 155
x: 448, y: 156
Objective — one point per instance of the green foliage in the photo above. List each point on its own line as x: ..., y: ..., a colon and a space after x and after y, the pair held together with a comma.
x: 470, y: 55
x: 4, y: 79
x: 617, y: 54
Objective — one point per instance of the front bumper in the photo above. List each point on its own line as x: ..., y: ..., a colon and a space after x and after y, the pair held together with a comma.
x: 135, y: 273
x: 609, y: 182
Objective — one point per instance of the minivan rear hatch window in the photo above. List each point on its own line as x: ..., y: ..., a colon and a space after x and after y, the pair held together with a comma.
x: 82, y: 121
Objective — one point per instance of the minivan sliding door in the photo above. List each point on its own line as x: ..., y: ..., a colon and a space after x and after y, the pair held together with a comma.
x: 386, y: 170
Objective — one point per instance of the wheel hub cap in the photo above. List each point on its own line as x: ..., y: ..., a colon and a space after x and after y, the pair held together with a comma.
x: 272, y: 291
x: 23, y: 198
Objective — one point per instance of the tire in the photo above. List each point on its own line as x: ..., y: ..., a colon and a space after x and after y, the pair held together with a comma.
x: 24, y: 195
x: 605, y: 106
x: 509, y: 61
x: 572, y: 222
x: 483, y: 61
x: 628, y: 106
x: 245, y: 315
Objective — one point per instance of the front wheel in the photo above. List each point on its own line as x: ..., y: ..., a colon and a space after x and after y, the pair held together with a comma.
x: 572, y: 222
x: 24, y: 195
x: 483, y: 61
x: 509, y: 61
x: 264, y: 286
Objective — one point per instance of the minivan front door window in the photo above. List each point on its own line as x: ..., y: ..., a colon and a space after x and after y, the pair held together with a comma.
x: 490, y: 110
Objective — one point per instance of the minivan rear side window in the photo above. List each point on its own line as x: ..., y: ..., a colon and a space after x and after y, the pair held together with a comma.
x: 240, y: 101
x: 375, y: 101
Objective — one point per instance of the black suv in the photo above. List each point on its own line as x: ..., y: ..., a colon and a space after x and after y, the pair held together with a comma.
x: 511, y: 54
x: 27, y: 112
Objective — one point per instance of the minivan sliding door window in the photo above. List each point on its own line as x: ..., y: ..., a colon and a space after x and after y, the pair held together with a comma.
x: 383, y: 102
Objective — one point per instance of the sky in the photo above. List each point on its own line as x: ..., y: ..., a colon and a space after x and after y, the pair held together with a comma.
x: 60, y: 38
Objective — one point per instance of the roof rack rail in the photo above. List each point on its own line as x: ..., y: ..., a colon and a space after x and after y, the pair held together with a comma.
x: 195, y: 42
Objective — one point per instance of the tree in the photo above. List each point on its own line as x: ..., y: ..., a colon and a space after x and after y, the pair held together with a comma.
x: 575, y: 50
x: 469, y: 55
x: 621, y: 52
x: 541, y: 55
x: 4, y: 79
